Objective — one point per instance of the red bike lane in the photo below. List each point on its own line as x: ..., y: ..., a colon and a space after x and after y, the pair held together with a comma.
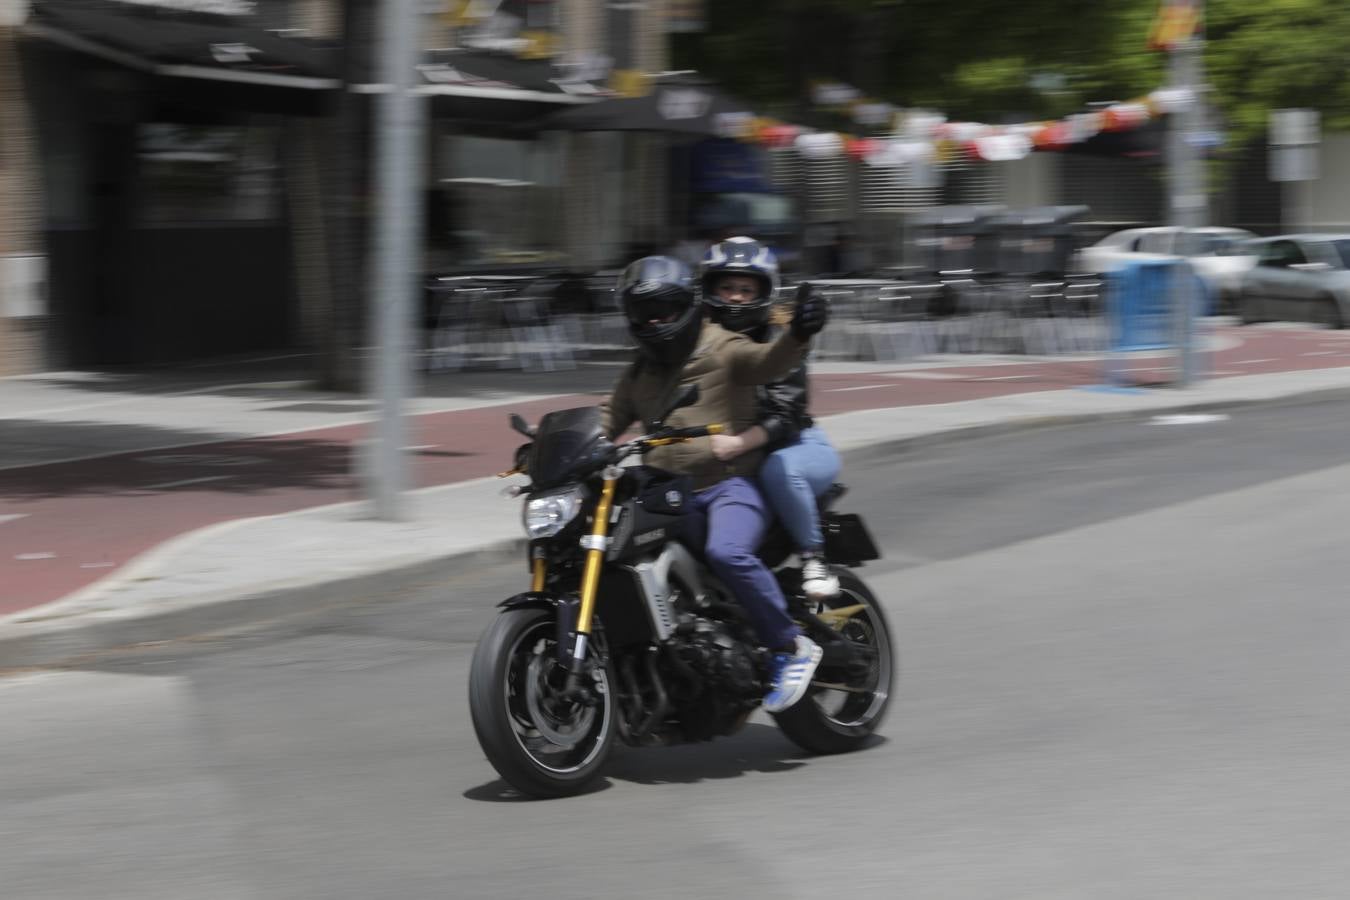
x: 64, y: 526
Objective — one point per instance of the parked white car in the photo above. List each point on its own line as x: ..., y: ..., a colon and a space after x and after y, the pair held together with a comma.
x: 1299, y: 278
x: 1220, y: 256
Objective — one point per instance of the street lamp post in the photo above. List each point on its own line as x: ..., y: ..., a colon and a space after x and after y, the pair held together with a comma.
x: 396, y: 263
x: 1189, y: 200
x: 1189, y: 195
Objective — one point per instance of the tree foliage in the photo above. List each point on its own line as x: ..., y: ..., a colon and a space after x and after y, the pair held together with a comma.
x: 994, y: 61
x: 1278, y: 53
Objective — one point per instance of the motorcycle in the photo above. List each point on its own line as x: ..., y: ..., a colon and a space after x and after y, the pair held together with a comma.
x: 625, y: 635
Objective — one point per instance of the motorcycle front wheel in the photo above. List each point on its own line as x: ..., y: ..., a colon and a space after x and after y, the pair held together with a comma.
x: 541, y: 743
x: 838, y: 716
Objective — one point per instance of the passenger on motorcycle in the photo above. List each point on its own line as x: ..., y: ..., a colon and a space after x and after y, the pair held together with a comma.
x: 677, y: 346
x: 739, y: 279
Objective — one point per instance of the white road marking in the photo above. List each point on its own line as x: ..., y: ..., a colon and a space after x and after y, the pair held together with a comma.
x: 420, y: 447
x: 1002, y: 377
x: 1321, y: 352
x: 925, y: 376
x: 1248, y: 362
x: 28, y: 556
x: 173, y: 484
x: 1190, y: 419
x: 861, y: 387
x: 102, y: 565
x: 12, y: 517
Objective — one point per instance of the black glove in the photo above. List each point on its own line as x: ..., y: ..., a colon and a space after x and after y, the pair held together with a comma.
x: 812, y: 312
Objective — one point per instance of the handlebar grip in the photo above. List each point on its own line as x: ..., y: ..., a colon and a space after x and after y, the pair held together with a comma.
x: 699, y: 431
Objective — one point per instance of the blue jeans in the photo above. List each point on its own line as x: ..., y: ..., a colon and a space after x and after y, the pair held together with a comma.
x: 729, y: 521
x: 793, y: 477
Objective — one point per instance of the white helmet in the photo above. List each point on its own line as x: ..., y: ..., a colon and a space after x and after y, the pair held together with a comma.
x: 739, y: 256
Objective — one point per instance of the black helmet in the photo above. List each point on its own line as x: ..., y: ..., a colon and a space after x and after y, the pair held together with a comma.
x: 663, y: 314
x: 739, y: 256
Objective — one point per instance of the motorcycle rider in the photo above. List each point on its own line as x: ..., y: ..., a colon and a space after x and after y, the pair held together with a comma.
x: 677, y: 345
x: 739, y: 280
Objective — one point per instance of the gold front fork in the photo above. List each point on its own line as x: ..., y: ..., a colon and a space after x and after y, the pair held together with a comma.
x: 595, y: 559
x: 538, y: 573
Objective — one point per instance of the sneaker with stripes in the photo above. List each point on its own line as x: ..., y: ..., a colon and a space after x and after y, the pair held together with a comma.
x: 791, y: 674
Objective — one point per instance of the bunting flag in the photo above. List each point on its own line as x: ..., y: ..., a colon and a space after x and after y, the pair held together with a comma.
x: 920, y: 137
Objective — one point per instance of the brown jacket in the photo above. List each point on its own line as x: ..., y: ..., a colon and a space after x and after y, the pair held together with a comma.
x: 726, y: 367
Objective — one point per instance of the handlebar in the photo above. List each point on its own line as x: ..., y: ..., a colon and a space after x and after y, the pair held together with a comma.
x: 663, y: 438
x: 683, y: 434
x: 620, y: 452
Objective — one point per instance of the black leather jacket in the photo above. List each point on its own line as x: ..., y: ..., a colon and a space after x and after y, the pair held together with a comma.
x: 782, y: 403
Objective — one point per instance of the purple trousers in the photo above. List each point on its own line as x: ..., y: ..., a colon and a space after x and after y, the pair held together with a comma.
x: 728, y: 521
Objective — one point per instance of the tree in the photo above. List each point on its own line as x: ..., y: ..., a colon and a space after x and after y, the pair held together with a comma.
x: 971, y: 59
x: 1263, y: 56
x: 990, y: 60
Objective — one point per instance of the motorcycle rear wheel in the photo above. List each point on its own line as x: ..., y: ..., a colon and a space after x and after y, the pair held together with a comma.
x: 542, y: 744
x: 840, y: 720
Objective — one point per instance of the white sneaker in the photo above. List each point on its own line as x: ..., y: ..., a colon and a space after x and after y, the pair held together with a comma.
x: 792, y: 674
x: 817, y: 579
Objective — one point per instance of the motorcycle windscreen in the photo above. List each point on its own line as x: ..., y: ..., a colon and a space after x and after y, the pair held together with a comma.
x: 567, y: 440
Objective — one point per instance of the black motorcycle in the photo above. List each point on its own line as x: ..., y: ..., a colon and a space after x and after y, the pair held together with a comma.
x: 625, y: 634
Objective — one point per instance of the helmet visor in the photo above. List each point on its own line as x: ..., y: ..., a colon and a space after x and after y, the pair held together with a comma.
x: 654, y: 310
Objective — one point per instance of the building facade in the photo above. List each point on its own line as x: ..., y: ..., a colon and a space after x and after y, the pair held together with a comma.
x: 159, y: 204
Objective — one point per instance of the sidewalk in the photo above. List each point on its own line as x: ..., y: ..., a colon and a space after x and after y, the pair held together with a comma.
x: 170, y: 508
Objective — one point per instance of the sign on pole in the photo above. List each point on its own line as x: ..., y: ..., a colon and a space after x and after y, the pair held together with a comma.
x: 1295, y: 135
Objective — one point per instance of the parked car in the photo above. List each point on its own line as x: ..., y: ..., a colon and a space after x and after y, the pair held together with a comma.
x: 1298, y: 277
x: 1220, y: 256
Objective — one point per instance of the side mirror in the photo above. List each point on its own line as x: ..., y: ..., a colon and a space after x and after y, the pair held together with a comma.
x: 521, y: 426
x: 687, y: 395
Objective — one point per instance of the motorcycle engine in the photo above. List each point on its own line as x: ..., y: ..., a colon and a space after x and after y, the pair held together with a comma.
x: 724, y: 663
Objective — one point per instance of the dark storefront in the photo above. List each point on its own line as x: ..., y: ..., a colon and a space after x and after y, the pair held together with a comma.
x: 169, y: 179
x: 189, y: 168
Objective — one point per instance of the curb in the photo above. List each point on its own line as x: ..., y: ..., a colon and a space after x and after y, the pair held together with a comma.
x: 238, y: 613
x: 269, y: 605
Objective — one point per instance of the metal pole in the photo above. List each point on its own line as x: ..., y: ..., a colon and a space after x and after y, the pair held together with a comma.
x: 1189, y: 196
x: 401, y: 130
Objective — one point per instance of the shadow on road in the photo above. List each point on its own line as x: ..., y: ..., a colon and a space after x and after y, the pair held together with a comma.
x: 191, y: 457
x: 500, y: 792
x: 757, y: 748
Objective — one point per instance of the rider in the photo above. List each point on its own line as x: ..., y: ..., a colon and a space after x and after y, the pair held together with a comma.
x: 739, y: 280
x: 677, y: 346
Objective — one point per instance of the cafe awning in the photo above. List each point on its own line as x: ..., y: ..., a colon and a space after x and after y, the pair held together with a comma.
x: 676, y: 106
x: 180, y: 44
x: 499, y: 89
x: 486, y: 86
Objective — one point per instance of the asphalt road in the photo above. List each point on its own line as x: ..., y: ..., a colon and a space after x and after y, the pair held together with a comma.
x: 1124, y: 658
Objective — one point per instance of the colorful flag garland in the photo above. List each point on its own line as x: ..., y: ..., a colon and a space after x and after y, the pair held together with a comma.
x: 927, y: 136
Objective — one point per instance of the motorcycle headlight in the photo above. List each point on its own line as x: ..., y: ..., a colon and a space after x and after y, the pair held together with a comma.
x: 547, y: 514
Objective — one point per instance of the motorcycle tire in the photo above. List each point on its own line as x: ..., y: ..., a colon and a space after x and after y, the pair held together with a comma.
x: 541, y: 744
x: 811, y: 723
